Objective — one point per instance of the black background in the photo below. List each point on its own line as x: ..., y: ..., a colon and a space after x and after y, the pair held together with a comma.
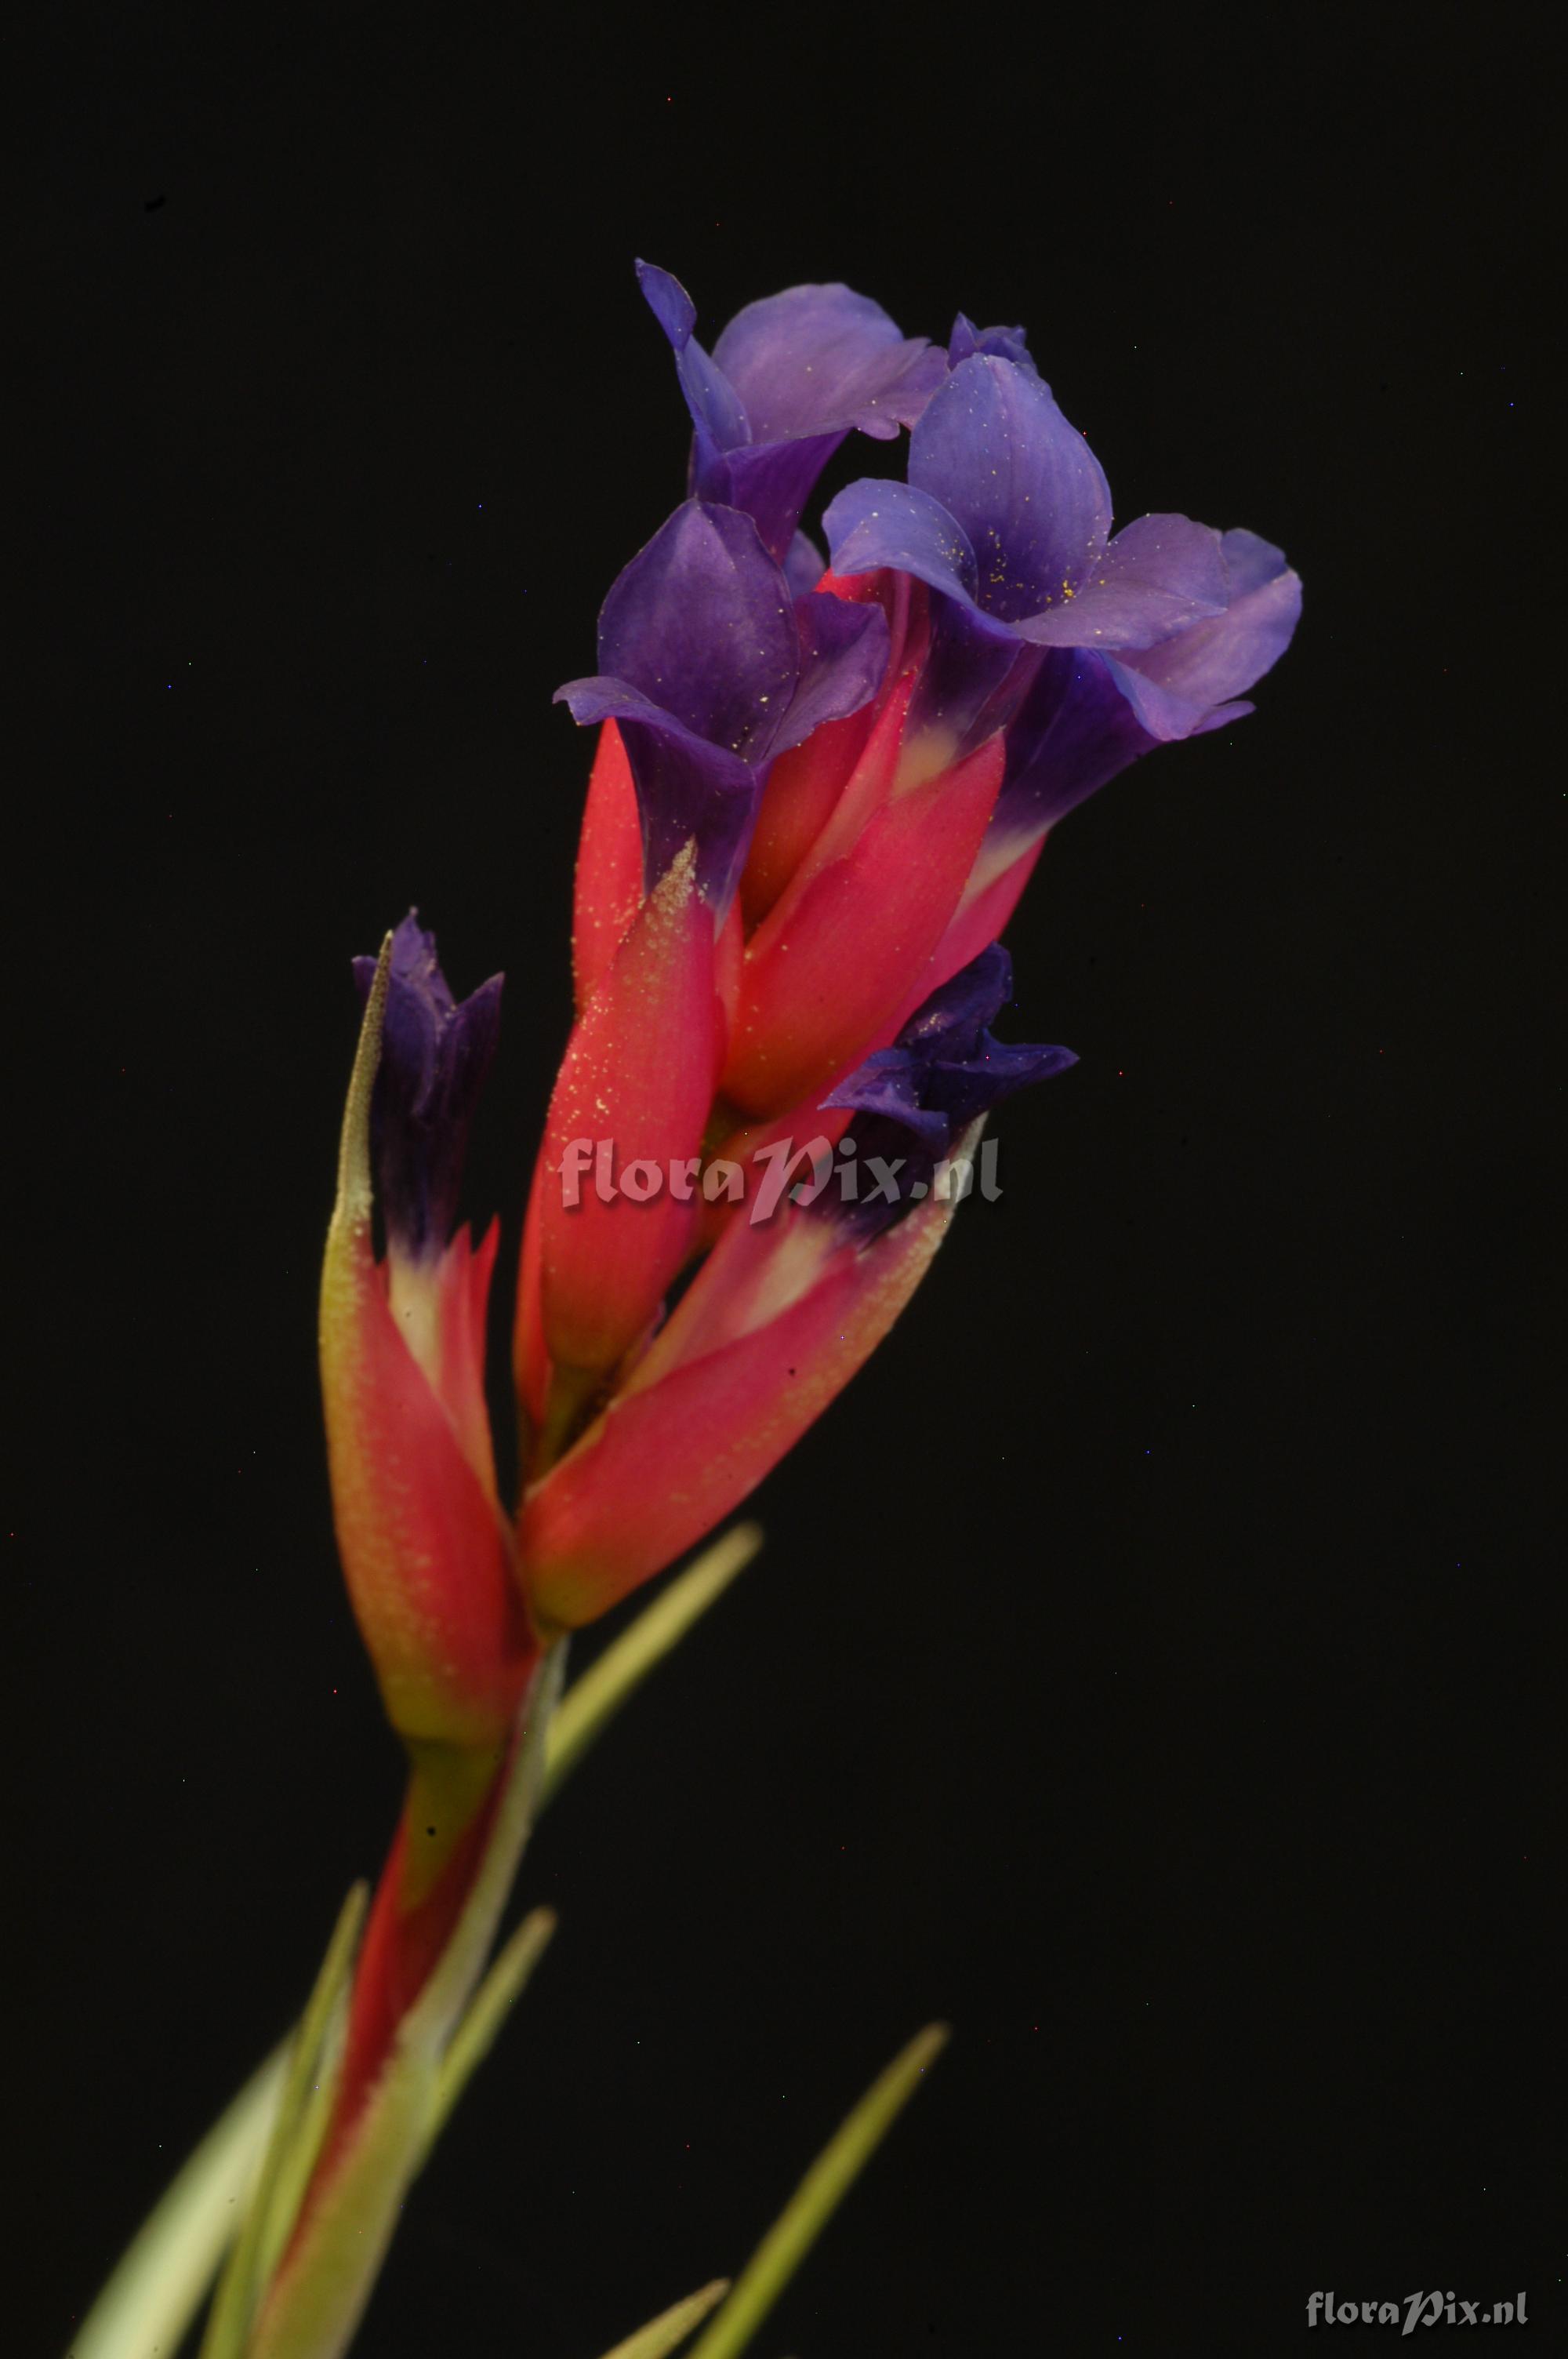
x: 1152, y: 1665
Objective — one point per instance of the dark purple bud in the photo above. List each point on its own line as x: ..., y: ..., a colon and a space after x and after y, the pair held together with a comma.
x: 435, y: 1054
x: 944, y: 1069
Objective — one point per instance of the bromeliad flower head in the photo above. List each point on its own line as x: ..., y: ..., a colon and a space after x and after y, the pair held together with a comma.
x: 788, y: 379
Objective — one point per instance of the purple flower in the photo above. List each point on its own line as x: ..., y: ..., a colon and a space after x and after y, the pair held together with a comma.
x: 1007, y: 513
x: 788, y: 379
x: 945, y: 1069
x: 1089, y: 649
x: 435, y: 1054
x: 711, y: 668
x: 1086, y: 716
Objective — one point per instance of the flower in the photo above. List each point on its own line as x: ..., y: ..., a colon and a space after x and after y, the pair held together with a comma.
x: 711, y: 668
x: 788, y: 379
x: 1006, y: 515
x: 1087, y: 715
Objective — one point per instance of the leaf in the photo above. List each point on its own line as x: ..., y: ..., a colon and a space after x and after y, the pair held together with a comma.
x: 822, y: 2190
x: 492, y: 2002
x: 672, y: 2326
x: 163, y: 2275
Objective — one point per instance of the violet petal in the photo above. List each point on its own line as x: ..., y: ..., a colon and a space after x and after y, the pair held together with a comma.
x: 772, y: 482
x: 843, y: 658
x: 817, y: 360
x: 1216, y: 660
x: 994, y: 450
x: 1074, y: 731
x: 685, y: 787
x: 717, y: 414
x: 1005, y: 343
x: 700, y: 622
x: 872, y: 524
x: 1160, y: 575
x: 804, y: 565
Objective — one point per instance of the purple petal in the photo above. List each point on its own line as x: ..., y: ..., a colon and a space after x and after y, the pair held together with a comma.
x: 1075, y: 731
x: 819, y: 360
x: 670, y: 304
x: 843, y: 658
x: 952, y: 1019
x: 998, y: 1070
x: 975, y: 674
x: 873, y: 523
x: 772, y: 482
x: 717, y: 414
x: 435, y: 1054
x: 685, y: 787
x: 1215, y: 661
x: 993, y: 448
x: 700, y: 622
x: 1159, y: 576
x: 888, y: 1083
x: 1251, y: 561
x: 804, y: 565
x: 1005, y: 343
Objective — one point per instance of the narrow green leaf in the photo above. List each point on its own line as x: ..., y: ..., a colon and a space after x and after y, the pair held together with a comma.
x: 163, y: 2275
x: 806, y: 2214
x: 672, y: 2326
x: 492, y: 2002
x: 592, y: 1701
x: 262, y: 2226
